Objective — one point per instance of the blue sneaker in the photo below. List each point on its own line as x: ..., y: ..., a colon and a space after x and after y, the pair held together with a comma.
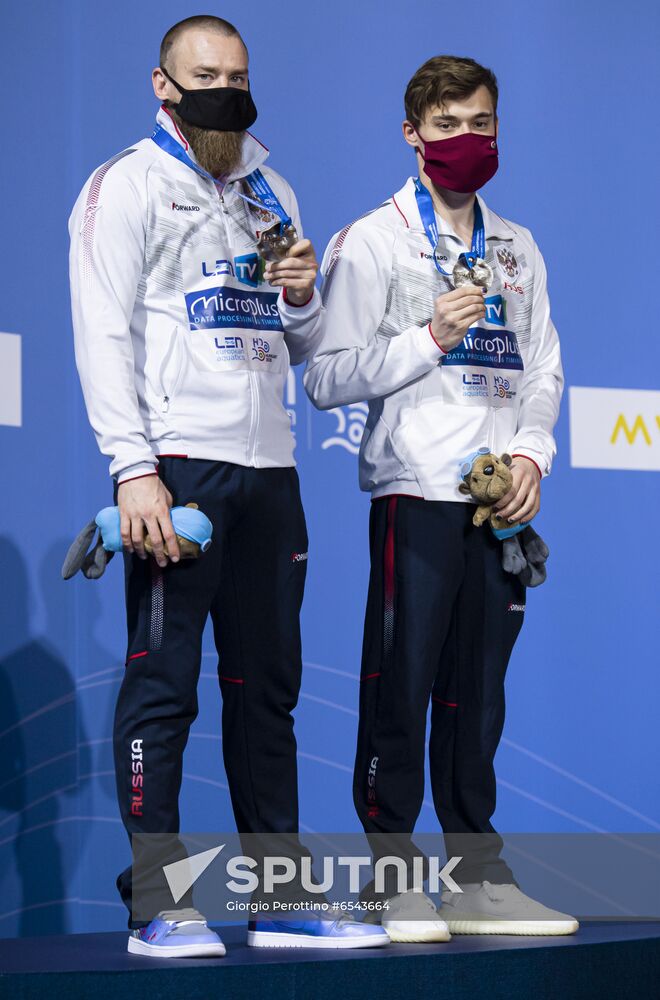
x: 315, y: 932
x: 176, y: 934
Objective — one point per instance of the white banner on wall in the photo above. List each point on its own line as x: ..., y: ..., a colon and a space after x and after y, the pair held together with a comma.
x: 615, y: 428
x: 10, y: 379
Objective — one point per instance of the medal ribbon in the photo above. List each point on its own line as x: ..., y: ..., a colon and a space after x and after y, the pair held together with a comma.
x: 256, y: 179
x: 427, y: 215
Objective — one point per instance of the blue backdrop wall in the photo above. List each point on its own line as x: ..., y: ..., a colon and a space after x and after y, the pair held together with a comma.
x: 579, y: 139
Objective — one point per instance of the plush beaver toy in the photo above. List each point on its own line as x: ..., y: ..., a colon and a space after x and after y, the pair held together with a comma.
x: 487, y: 478
x: 192, y: 528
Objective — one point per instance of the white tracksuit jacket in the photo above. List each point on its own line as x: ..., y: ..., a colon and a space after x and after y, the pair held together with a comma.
x: 428, y: 410
x: 180, y: 346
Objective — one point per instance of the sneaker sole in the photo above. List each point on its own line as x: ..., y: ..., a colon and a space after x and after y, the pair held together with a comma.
x: 416, y: 937
x: 137, y: 947
x: 550, y: 928
x: 273, y: 939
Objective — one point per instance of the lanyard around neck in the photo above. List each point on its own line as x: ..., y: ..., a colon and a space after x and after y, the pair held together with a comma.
x: 427, y: 215
x: 256, y: 179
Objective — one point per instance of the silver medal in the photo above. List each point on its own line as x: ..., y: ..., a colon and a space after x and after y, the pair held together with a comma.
x: 275, y: 243
x: 480, y: 275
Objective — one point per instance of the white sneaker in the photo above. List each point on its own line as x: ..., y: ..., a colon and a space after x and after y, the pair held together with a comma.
x: 411, y: 916
x: 484, y: 908
x: 177, y: 934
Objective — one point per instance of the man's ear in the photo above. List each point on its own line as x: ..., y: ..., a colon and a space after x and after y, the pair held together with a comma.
x: 410, y: 134
x: 506, y: 459
x: 159, y: 83
x: 163, y: 89
x: 464, y: 488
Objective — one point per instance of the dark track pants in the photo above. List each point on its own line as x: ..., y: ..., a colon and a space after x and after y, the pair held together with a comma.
x: 442, y: 619
x: 251, y: 581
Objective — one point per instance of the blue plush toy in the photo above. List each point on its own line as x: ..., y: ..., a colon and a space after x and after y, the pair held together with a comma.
x: 193, y: 531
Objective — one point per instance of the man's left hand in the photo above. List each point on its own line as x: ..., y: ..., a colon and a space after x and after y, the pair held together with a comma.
x: 523, y: 501
x: 297, y: 272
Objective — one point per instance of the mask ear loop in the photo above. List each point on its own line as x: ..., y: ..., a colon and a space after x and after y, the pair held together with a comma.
x: 182, y: 90
x: 422, y: 151
x: 493, y: 144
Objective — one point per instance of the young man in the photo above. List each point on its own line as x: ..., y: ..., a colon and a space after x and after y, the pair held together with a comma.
x: 183, y: 356
x: 452, y: 353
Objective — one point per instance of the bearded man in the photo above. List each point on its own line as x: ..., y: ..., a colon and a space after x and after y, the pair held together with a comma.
x: 183, y: 340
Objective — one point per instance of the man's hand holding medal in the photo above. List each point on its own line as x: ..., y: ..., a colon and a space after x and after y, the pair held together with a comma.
x: 290, y: 263
x: 455, y: 312
x: 296, y: 272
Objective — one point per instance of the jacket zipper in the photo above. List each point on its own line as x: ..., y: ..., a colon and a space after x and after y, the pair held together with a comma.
x: 254, y: 427
x: 254, y: 390
x: 166, y: 398
x: 491, y: 428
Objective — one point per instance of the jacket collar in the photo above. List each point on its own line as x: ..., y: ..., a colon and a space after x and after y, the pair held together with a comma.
x: 405, y: 201
x: 254, y: 152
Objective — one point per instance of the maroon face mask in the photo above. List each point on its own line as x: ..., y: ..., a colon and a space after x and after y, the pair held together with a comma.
x: 461, y: 163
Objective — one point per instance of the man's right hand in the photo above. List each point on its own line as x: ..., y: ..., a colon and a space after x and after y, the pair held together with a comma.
x: 147, y: 501
x: 454, y: 313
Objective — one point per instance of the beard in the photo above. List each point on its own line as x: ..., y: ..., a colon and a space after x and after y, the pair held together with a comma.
x: 219, y: 153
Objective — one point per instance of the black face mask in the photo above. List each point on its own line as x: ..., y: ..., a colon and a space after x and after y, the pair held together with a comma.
x: 224, y: 109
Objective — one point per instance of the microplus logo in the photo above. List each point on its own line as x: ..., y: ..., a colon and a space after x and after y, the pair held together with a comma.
x: 214, y: 308
x: 499, y: 350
